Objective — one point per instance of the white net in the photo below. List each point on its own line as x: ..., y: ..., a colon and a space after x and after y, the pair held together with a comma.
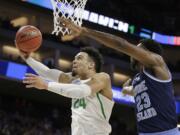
x: 69, y: 9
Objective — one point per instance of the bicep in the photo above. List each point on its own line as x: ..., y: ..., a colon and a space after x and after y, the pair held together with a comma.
x: 145, y: 57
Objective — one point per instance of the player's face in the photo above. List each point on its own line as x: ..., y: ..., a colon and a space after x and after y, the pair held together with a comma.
x: 81, y: 64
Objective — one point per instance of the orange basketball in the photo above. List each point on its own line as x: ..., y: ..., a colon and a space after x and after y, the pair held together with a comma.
x: 28, y: 38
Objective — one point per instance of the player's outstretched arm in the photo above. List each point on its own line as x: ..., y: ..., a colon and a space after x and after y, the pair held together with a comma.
x: 119, y: 44
x: 147, y: 58
x: 68, y: 90
x: 64, y: 89
x: 44, y: 71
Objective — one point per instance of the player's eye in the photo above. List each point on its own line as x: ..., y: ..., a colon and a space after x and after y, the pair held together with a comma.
x: 79, y: 58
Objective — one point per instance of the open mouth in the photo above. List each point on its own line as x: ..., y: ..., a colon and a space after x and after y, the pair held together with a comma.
x: 74, y: 67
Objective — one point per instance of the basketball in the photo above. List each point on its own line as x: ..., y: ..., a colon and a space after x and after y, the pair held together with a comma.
x: 28, y: 38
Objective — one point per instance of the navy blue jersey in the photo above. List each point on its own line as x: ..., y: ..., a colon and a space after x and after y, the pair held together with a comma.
x: 155, y: 105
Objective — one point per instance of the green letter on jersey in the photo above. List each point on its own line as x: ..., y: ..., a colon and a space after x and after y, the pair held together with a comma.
x: 80, y: 103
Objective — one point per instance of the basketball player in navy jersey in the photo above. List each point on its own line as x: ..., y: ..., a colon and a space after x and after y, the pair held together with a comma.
x: 152, y: 86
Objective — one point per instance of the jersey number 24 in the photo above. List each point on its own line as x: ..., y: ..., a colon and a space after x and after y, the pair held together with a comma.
x: 80, y: 103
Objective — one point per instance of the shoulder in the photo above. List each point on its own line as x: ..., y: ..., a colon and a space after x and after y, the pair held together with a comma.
x: 159, y: 59
x: 102, y: 76
x: 160, y: 70
x: 104, y: 80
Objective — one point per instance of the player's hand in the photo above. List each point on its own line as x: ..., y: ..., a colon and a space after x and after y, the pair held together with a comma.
x: 127, y: 88
x: 76, y: 30
x: 34, y: 81
x: 127, y: 83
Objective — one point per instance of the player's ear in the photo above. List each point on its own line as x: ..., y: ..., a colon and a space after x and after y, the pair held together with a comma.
x: 91, y: 65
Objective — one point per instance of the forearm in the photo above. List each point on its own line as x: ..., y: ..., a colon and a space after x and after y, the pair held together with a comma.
x: 43, y: 71
x: 107, y: 40
x: 69, y: 90
x: 122, y: 45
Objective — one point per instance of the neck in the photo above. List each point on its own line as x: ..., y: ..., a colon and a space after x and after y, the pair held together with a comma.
x: 88, y: 75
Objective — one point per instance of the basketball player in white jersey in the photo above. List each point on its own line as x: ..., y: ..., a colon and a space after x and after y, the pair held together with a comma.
x: 89, y: 89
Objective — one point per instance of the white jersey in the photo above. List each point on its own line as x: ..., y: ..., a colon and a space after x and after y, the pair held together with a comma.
x: 90, y: 115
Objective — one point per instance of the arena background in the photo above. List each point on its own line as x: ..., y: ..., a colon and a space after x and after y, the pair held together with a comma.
x: 32, y: 112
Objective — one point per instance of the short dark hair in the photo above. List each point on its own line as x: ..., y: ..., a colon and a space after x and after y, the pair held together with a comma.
x: 95, y: 55
x: 152, y: 46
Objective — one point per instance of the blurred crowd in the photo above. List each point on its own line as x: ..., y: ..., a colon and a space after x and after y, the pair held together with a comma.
x: 20, y: 117
x: 16, y: 124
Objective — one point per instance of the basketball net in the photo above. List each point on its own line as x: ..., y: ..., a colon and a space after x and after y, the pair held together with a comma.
x: 69, y: 9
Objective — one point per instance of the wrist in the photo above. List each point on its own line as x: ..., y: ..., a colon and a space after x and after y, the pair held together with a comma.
x: 28, y: 60
x: 46, y: 85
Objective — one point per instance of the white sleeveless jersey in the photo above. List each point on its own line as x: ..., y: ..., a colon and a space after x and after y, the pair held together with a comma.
x: 90, y: 115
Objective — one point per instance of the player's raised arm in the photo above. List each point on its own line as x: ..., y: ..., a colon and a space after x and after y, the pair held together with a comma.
x: 145, y: 57
x: 44, y: 71
x: 28, y: 39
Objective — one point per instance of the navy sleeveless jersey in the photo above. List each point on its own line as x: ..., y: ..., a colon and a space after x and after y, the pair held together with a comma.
x: 155, y: 105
